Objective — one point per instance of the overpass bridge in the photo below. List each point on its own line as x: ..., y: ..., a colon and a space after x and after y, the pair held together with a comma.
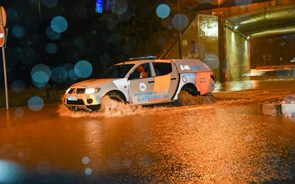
x: 235, y: 36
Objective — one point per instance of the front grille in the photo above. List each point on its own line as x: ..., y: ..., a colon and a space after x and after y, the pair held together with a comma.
x: 78, y: 102
x: 80, y: 90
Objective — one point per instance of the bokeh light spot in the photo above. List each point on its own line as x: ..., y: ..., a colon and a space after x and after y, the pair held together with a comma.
x: 40, y: 75
x: 105, y: 59
x: 35, y: 103
x: 179, y: 21
x: 40, y: 79
x: 79, y: 41
x: 18, y: 86
x: 19, y: 112
x: 212, y: 61
x: 59, y: 74
x: 114, y: 162
x: 59, y: 24
x: 163, y: 11
x: 18, y: 31
x: 88, y: 171
x: 52, y: 34
x: 10, y: 172
x: 85, y: 160
x: 125, y: 17
x: 72, y: 75
x: 44, y: 167
x: 51, y: 48
x: 49, y: 3
x: 11, y: 13
x: 83, y: 69
x: 119, y: 6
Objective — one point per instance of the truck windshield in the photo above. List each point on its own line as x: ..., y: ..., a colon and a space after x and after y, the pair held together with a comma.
x: 118, y: 71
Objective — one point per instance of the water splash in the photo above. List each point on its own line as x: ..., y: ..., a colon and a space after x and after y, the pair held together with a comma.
x: 112, y: 108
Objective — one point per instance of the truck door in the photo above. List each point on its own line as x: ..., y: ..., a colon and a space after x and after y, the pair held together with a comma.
x: 141, y: 84
x: 166, y: 80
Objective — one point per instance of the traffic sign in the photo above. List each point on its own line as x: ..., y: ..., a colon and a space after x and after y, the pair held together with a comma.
x: 2, y: 36
x: 3, y: 17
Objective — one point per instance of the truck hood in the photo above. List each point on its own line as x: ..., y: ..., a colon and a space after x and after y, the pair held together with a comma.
x: 92, y: 83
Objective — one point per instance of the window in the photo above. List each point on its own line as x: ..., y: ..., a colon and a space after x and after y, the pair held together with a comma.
x: 142, y: 71
x: 162, y: 68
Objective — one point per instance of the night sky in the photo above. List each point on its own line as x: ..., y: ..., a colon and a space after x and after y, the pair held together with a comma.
x: 59, y: 42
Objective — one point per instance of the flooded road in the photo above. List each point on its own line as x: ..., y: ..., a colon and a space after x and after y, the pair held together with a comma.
x: 225, y: 141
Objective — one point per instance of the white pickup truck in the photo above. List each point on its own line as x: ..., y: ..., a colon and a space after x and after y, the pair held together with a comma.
x: 142, y: 82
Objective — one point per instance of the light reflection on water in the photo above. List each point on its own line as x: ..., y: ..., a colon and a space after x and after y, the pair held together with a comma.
x: 235, y: 85
x: 227, y: 141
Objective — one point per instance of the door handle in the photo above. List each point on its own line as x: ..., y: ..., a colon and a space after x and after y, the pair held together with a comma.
x: 173, y: 79
x: 151, y: 81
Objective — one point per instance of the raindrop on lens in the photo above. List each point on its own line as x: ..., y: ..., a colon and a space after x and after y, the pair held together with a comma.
x: 12, y: 14
x: 17, y: 86
x: 59, y: 74
x: 119, y: 6
x: 105, y: 59
x: 59, y: 24
x: 212, y: 61
x: 51, y: 48
x: 179, y: 21
x: 52, y: 34
x: 19, y: 112
x: 127, y: 163
x: 83, y: 69
x: 72, y: 75
x: 78, y: 41
x: 88, y: 171
x: 40, y: 75
x: 35, y: 103
x: 10, y: 172
x: 40, y: 79
x: 44, y: 167
x: 18, y: 31
x: 85, y: 160
x: 49, y: 3
x: 163, y: 11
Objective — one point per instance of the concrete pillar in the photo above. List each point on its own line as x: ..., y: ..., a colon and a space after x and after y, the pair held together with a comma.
x: 221, y: 49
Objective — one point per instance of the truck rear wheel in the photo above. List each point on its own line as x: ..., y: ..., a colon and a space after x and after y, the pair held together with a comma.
x: 185, y: 98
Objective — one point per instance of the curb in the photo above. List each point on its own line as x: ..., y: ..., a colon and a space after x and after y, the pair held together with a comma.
x: 285, y: 107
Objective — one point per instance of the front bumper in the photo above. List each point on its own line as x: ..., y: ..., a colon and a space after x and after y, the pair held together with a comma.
x: 81, y: 102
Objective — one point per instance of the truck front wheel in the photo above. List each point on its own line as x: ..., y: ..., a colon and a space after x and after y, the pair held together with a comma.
x: 110, y: 101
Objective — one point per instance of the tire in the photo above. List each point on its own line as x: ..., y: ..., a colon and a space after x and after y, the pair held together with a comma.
x: 115, y: 96
x: 110, y: 101
x: 185, y: 98
x: 193, y: 97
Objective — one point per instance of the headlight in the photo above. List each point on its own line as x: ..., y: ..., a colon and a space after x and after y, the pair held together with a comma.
x: 67, y: 91
x: 91, y: 90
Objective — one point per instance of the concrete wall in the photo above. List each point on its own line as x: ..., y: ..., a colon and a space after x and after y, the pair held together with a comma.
x: 237, y: 54
x: 200, y: 41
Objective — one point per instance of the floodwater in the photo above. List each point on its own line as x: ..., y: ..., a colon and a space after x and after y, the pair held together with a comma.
x: 227, y: 140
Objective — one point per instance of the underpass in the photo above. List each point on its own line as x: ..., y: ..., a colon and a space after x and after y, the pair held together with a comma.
x: 233, y: 38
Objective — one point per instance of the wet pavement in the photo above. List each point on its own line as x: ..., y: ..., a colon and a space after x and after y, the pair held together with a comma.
x: 227, y: 140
